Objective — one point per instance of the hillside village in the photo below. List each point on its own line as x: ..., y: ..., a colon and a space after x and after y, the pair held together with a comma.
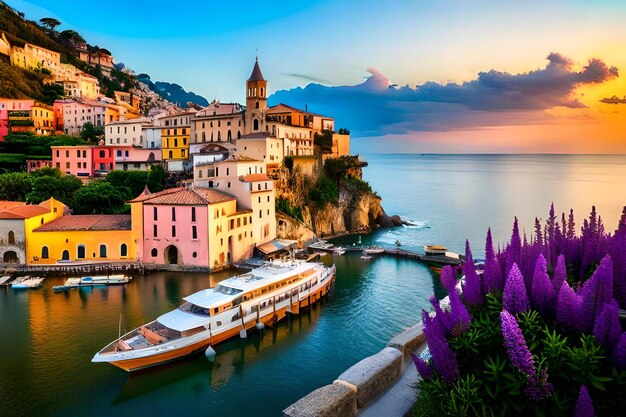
x: 230, y: 159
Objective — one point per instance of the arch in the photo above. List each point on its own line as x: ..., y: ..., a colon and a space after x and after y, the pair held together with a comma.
x: 230, y: 136
x: 171, y: 154
x: 255, y: 124
x: 238, y: 134
x: 123, y: 250
x: 10, y: 257
x: 151, y: 157
x: 66, y: 255
x: 257, y: 105
x: 219, y: 136
x: 11, y: 237
x: 203, y: 136
x: 172, y: 256
x: 45, y: 254
x: 103, y: 251
x: 80, y: 251
x: 154, y: 252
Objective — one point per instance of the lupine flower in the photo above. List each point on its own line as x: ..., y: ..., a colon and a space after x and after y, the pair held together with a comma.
x: 444, y: 317
x: 515, y: 345
x: 514, y: 298
x: 514, y: 249
x: 472, y: 292
x: 619, y: 352
x: 584, y: 406
x: 460, y: 317
x: 443, y: 358
x: 538, y: 387
x: 597, y: 291
x: 448, y: 279
x: 560, y: 274
x: 424, y: 369
x: 567, y: 308
x: 542, y: 292
x: 492, y: 275
x: 607, y: 329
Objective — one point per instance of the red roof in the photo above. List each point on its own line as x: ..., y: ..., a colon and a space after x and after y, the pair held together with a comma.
x: 185, y: 196
x: 88, y: 222
x: 10, y: 204
x: 255, y: 177
x: 23, y: 212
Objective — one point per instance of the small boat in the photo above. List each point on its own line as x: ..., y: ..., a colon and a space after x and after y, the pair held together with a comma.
x: 372, y: 250
x: 252, y: 300
x: 339, y: 251
x: 92, y: 281
x: 435, y: 250
x: 4, y: 280
x: 29, y: 282
x: 366, y: 257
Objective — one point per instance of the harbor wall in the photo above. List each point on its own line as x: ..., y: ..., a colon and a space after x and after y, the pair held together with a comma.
x: 356, y: 388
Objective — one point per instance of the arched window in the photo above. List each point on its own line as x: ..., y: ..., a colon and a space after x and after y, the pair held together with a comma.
x: 238, y: 135
x: 230, y: 136
x: 257, y: 105
x: 171, y: 154
x: 11, y: 238
x: 103, y: 251
x: 80, y: 252
x: 154, y: 252
x: 262, y: 91
x: 123, y: 250
x: 256, y: 124
x: 219, y: 136
x: 203, y: 136
x: 44, y: 252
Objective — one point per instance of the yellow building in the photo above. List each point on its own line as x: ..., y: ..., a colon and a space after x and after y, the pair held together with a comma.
x: 43, y: 119
x: 81, y: 238
x: 32, y: 56
x: 175, y: 136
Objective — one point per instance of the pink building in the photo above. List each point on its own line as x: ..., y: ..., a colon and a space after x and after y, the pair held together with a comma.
x: 129, y: 158
x: 35, y: 164
x: 12, y: 105
x: 75, y: 160
x: 103, y: 160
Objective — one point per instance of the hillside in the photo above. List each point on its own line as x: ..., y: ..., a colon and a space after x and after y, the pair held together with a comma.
x: 173, y: 93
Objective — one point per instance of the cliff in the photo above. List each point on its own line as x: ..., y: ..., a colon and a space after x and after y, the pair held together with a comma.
x: 315, y: 199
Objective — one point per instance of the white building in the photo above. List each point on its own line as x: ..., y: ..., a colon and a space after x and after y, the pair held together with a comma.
x: 127, y: 132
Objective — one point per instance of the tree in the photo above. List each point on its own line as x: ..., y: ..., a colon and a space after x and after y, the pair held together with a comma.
x: 72, y: 37
x: 14, y: 186
x: 99, y: 197
x: 62, y: 188
x: 50, y: 23
x: 288, y: 161
x: 156, y: 178
x: 91, y: 133
x: 52, y: 92
x: 132, y: 182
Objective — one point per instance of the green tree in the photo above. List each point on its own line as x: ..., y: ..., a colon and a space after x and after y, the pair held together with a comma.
x: 156, y: 178
x: 62, y: 188
x: 324, y: 141
x: 325, y: 191
x: 91, y: 133
x: 99, y: 197
x: 132, y: 182
x: 49, y: 23
x: 52, y: 92
x: 46, y: 172
x: 14, y: 186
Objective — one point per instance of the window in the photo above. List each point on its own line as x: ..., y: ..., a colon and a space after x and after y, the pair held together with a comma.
x: 123, y: 250
x: 154, y: 211
x: 173, y: 214
x: 78, y: 153
x: 193, y: 214
x: 194, y: 232
x: 103, y: 251
x: 80, y: 252
x: 154, y: 230
x: 173, y: 231
x: 119, y: 153
x: 154, y: 252
x: 44, y: 253
x: 195, y: 255
x: 101, y: 154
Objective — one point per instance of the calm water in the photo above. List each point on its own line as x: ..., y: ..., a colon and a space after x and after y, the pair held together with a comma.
x: 48, y: 339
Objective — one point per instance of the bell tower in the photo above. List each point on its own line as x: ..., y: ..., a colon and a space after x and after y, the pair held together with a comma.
x: 256, y: 100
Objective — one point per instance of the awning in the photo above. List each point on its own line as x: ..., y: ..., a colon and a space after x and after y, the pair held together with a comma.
x: 276, y: 245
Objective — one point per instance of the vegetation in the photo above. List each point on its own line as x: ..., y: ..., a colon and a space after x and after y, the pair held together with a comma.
x: 324, y: 141
x: 92, y: 134
x: 36, y: 147
x: 519, y: 341
x: 324, y: 191
x: 284, y: 206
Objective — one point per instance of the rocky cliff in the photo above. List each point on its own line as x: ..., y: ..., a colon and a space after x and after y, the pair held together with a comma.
x: 355, y: 208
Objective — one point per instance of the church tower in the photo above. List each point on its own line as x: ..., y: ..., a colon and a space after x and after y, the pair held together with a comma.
x: 256, y: 100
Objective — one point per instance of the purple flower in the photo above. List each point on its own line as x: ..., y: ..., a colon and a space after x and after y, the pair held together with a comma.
x: 607, y: 329
x: 461, y: 318
x: 584, y: 406
x: 619, y: 352
x: 422, y: 367
x: 443, y: 358
x: 492, y: 275
x: 567, y: 308
x: 513, y: 251
x: 596, y: 291
x: 514, y: 298
x: 444, y: 317
x: 560, y: 274
x: 516, y: 345
x: 448, y: 278
x: 538, y: 387
x: 542, y: 292
x: 472, y: 292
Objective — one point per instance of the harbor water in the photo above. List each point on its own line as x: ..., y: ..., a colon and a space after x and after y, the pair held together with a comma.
x: 47, y: 339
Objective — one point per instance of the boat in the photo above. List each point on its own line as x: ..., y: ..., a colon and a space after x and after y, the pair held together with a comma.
x: 4, y: 280
x: 255, y: 299
x: 339, y: 251
x: 372, y: 250
x: 27, y: 282
x: 92, y: 281
x: 435, y: 250
x: 366, y: 257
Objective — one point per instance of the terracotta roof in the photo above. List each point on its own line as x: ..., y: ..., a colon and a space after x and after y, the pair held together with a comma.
x: 256, y: 73
x: 255, y: 177
x: 186, y: 196
x: 10, y: 204
x: 23, y: 212
x: 88, y: 222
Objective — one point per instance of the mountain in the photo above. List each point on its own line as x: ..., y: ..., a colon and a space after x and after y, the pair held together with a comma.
x: 172, y: 92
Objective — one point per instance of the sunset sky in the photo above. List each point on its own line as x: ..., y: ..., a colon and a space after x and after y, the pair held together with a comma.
x: 403, y: 76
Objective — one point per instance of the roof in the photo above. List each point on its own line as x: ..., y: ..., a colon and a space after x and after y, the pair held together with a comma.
x: 277, y: 109
x: 142, y: 120
x: 276, y: 245
x: 255, y: 177
x: 185, y: 196
x: 23, y: 212
x: 88, y: 222
x: 10, y: 204
x: 238, y: 159
x: 256, y: 72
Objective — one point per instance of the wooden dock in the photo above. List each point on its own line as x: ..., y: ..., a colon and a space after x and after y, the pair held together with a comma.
x: 429, y: 259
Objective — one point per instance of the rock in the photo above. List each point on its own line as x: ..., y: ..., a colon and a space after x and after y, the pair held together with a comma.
x: 335, y: 400
x: 374, y: 374
x: 408, y: 341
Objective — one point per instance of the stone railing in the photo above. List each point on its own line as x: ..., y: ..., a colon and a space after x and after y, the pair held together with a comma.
x: 357, y: 387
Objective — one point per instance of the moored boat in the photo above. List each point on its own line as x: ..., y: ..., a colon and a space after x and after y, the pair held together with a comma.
x: 4, y: 280
x: 372, y: 250
x: 255, y: 299
x: 27, y: 282
x: 92, y: 281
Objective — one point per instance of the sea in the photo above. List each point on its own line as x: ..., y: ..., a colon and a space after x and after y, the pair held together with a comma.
x: 47, y: 339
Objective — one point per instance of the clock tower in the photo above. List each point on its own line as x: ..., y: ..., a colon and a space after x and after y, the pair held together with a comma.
x: 256, y: 100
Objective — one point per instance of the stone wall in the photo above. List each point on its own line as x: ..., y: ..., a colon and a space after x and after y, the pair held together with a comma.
x: 357, y: 387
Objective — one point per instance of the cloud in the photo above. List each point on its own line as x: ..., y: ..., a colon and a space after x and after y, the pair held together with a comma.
x: 614, y: 100
x: 378, y: 107
x: 305, y: 77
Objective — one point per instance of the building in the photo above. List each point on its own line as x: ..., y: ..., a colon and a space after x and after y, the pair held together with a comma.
x: 153, y: 137
x: 35, y: 164
x: 15, y: 116
x: 218, y: 122
x: 128, y: 158
x: 99, y: 237
x: 256, y: 101
x: 175, y: 135
x: 43, y: 119
x: 17, y: 220
x: 205, y: 155
x: 191, y: 226
x: 84, y: 161
x: 262, y: 147
x: 127, y: 132
x: 31, y: 57
x: 72, y: 114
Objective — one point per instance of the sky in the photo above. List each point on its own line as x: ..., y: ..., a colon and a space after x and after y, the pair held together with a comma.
x: 403, y: 76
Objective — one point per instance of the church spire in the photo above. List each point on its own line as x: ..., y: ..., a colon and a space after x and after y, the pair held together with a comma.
x: 256, y: 72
